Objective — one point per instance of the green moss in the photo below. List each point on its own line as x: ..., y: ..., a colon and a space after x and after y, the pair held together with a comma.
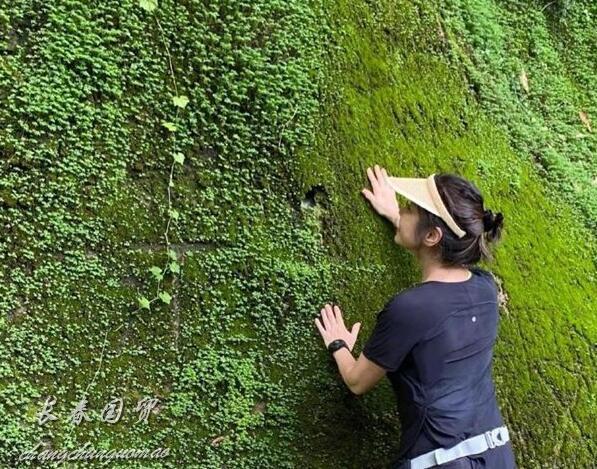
x: 415, y: 116
x: 284, y: 98
x: 531, y: 67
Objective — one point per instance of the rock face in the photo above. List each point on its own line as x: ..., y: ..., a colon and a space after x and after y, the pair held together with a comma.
x: 180, y: 195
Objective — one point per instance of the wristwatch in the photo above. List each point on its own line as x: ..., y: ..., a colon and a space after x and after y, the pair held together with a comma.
x: 337, y: 345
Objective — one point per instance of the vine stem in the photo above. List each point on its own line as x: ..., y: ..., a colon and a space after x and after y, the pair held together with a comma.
x: 173, y: 77
x: 106, y: 341
x: 163, y: 37
x: 101, y: 358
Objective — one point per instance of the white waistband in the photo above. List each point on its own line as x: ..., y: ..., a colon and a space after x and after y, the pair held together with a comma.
x: 473, y: 445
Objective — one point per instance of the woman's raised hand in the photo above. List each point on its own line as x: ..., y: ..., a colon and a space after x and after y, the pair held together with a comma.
x: 333, y: 326
x: 383, y: 198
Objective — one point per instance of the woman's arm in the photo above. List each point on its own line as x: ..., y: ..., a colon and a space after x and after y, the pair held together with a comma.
x: 360, y: 375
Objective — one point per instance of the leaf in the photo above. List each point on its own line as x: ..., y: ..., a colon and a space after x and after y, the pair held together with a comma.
x: 172, y: 254
x: 157, y: 272
x: 173, y: 213
x: 165, y: 297
x: 179, y: 158
x: 180, y: 101
x: 175, y: 267
x: 148, y: 5
x: 143, y: 302
x: 585, y: 120
x: 524, y: 80
x: 171, y: 126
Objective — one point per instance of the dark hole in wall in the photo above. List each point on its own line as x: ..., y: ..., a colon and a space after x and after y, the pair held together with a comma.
x: 317, y: 195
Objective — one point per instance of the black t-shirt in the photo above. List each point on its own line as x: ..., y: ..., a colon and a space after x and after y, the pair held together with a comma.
x: 435, y: 340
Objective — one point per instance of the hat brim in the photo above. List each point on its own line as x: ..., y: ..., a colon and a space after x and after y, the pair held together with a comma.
x: 415, y: 190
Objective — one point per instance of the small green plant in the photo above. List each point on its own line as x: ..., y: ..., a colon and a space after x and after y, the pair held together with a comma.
x: 172, y: 266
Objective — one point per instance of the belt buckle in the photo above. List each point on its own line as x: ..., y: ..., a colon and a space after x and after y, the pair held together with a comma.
x: 489, y: 439
x: 492, y: 437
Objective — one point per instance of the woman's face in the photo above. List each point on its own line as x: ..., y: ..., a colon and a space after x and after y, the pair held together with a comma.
x: 405, y: 233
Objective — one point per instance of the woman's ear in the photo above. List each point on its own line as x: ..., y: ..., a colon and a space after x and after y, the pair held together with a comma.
x: 433, y: 236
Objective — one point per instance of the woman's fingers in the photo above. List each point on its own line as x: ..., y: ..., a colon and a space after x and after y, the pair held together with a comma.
x: 322, y: 331
x: 333, y: 325
x: 377, y: 177
x: 383, y: 179
x: 372, y: 179
x: 338, y: 313
x: 383, y: 198
x: 326, y: 319
x: 330, y: 314
x: 379, y: 174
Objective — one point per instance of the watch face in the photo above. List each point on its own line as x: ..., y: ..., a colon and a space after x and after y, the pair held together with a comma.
x: 336, y: 344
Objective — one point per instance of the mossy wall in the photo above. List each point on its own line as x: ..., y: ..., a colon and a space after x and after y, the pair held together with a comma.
x: 178, y: 248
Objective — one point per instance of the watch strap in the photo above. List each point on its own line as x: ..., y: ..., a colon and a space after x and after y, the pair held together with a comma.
x: 337, y: 345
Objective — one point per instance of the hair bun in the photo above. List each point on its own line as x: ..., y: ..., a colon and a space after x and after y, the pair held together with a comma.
x: 488, y: 220
x: 491, y: 221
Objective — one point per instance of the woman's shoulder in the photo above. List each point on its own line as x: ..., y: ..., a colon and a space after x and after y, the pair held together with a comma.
x: 421, y: 290
x: 486, y: 275
x: 479, y: 270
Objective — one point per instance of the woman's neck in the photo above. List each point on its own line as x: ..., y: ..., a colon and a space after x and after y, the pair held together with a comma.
x: 435, y: 271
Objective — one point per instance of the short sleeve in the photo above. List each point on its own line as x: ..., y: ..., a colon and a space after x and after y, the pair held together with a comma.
x: 396, y: 332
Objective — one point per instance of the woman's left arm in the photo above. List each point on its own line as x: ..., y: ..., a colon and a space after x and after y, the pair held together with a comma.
x: 361, y: 374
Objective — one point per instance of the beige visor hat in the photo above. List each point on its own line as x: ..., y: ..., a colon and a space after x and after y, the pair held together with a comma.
x: 423, y: 192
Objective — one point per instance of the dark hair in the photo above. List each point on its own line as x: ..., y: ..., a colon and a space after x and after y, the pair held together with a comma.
x: 465, y: 203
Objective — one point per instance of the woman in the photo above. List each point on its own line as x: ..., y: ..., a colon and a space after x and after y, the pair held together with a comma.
x: 434, y: 341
